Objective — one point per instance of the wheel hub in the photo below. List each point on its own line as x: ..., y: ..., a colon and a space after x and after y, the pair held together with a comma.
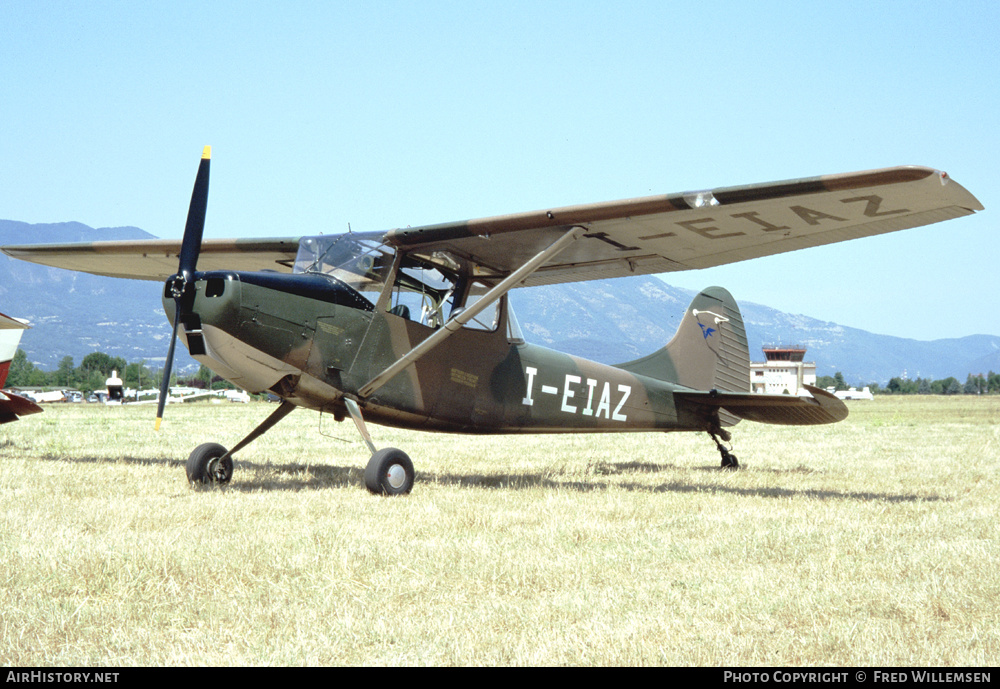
x: 396, y: 475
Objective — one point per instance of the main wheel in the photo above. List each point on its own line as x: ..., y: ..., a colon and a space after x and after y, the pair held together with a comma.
x: 389, y: 472
x: 203, y: 466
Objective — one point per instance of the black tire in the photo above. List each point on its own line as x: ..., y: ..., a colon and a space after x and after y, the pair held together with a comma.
x: 729, y: 461
x: 203, y: 466
x: 389, y: 472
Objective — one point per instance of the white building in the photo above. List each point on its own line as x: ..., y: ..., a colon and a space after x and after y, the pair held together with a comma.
x: 784, y: 372
x: 853, y: 394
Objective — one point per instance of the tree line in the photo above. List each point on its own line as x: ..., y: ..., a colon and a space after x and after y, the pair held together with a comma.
x: 95, y: 369
x: 975, y: 384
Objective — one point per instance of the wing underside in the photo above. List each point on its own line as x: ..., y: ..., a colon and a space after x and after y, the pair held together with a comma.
x: 656, y: 234
x: 700, y: 229
x: 156, y: 259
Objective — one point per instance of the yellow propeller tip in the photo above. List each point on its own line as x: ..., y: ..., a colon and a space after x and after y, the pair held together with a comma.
x: 206, y: 153
x: 157, y: 426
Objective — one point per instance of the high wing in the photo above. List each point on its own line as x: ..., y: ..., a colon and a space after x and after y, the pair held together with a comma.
x: 660, y: 234
x: 156, y: 259
x: 655, y: 234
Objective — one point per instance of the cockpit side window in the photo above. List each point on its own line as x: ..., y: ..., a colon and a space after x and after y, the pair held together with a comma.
x: 431, y: 289
x: 514, y: 334
x: 421, y: 292
x: 489, y: 318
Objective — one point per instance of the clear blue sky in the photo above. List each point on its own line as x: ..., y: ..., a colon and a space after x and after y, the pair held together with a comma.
x: 386, y: 114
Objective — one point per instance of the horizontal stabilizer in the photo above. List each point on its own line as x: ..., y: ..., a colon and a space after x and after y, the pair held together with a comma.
x: 786, y: 410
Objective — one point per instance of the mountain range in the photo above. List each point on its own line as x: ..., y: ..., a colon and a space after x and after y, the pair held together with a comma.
x: 74, y: 314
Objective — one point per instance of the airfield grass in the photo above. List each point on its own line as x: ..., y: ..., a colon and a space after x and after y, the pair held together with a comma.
x: 869, y: 542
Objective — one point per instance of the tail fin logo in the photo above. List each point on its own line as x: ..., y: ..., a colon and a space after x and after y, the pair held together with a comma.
x: 706, y: 331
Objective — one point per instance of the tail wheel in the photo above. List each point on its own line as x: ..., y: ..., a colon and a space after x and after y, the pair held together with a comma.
x: 205, y: 465
x: 389, y: 472
x: 729, y: 461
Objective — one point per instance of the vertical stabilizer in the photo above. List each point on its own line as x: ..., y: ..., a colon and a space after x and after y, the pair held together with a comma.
x: 709, y: 350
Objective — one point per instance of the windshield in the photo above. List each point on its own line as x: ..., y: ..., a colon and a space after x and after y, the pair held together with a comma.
x: 426, y: 288
x: 359, y: 260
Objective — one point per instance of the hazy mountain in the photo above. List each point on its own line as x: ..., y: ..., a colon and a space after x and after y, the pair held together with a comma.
x: 74, y: 314
x: 621, y: 319
x: 611, y: 321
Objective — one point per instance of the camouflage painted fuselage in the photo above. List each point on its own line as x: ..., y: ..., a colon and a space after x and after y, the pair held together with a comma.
x: 312, y: 342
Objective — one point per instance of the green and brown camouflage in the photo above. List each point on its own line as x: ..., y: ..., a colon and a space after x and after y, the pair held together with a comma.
x: 314, y: 341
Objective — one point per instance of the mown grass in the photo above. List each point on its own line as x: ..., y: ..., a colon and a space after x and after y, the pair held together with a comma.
x: 870, y: 542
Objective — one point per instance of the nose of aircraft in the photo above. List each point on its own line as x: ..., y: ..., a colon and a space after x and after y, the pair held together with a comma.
x: 216, y: 303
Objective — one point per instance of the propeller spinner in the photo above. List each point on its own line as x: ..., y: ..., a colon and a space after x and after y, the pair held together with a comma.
x: 181, y: 285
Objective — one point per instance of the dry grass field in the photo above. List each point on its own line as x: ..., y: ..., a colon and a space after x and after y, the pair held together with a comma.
x: 871, y: 542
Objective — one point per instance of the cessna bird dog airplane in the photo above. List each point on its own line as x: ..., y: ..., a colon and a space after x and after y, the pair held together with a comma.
x: 412, y: 327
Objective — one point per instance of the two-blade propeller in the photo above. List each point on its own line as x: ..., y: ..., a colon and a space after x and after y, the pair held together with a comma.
x: 181, y: 285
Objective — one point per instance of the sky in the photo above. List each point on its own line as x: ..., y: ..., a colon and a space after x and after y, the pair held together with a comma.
x: 385, y: 114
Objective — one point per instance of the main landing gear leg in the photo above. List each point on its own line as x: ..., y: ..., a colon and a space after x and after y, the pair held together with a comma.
x: 212, y: 463
x: 389, y: 471
x: 729, y: 460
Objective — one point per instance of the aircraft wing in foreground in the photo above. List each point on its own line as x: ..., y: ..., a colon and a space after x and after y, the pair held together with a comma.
x: 12, y: 406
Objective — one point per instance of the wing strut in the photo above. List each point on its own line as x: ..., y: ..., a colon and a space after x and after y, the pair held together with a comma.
x: 470, y: 312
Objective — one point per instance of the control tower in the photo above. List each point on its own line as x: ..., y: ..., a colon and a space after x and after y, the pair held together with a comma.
x: 784, y: 371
